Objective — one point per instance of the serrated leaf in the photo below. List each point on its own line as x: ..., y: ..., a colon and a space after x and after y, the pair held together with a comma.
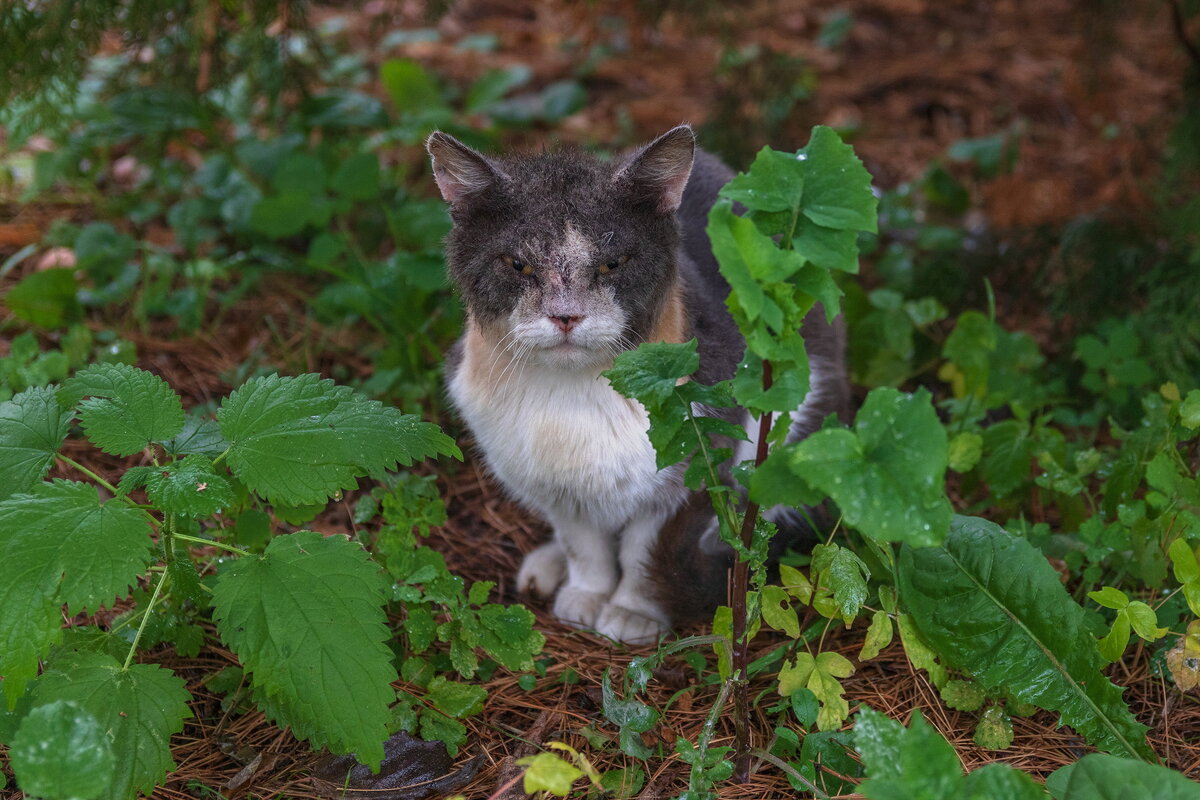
x: 846, y: 574
x: 139, y: 709
x: 913, y: 762
x: 199, y: 435
x: 1104, y: 777
x: 32, y: 429
x: 60, y: 751
x: 919, y: 654
x: 60, y: 545
x: 991, y: 605
x: 994, y: 730
x: 298, y: 441
x: 774, y: 182
x: 454, y: 698
x: 1001, y: 782
x: 652, y: 371
x: 188, y: 487
x: 127, y: 408
x: 887, y: 475
x: 962, y: 695
x: 837, y: 188
x: 306, y: 620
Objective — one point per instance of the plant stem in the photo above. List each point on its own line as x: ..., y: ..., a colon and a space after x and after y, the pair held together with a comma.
x: 197, y: 540
x: 75, y: 464
x: 790, y: 770
x: 706, y: 733
x: 137, y: 637
x: 741, y: 585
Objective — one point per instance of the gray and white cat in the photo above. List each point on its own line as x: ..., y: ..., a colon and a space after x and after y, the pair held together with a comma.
x: 563, y: 262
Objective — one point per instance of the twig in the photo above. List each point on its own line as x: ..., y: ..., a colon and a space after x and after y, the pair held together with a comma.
x: 1177, y: 22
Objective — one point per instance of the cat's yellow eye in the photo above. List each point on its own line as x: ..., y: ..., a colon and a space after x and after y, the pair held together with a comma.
x: 519, y: 266
x: 611, y: 265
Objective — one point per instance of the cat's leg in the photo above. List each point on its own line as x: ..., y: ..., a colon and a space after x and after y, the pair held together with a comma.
x: 591, y: 571
x: 543, y: 570
x: 632, y: 615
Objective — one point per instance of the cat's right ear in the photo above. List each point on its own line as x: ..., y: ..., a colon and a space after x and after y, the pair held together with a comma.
x: 460, y: 172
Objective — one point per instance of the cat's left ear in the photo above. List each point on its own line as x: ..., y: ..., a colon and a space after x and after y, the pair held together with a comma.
x: 660, y: 170
x: 460, y: 172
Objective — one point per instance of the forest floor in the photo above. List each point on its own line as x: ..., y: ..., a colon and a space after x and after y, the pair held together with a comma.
x: 1089, y: 95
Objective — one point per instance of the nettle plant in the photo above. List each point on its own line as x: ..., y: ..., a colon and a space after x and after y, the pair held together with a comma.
x: 978, y: 607
x: 306, y: 614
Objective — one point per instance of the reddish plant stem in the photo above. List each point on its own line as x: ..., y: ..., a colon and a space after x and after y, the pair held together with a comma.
x: 741, y: 585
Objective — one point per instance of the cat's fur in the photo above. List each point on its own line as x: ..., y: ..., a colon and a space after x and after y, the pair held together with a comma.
x: 563, y: 262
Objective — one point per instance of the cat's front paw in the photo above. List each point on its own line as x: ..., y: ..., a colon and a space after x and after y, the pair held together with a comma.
x: 543, y: 570
x: 629, y: 626
x: 579, y: 607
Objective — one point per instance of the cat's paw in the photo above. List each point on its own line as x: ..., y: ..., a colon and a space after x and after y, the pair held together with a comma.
x: 631, y: 627
x: 543, y: 570
x: 579, y: 607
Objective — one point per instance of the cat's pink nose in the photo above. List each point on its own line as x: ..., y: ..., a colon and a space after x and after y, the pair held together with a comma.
x: 566, y: 323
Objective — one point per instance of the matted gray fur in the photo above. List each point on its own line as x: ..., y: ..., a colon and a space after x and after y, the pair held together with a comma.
x: 564, y: 261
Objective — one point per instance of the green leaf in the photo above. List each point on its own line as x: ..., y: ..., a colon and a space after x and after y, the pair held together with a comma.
x: 962, y: 695
x: 306, y: 620
x: 901, y: 763
x: 1001, y: 782
x: 357, y: 178
x: 887, y: 475
x: 127, y: 408
x: 774, y: 182
x: 411, y: 88
x: 546, y: 772
x: 991, y: 605
x: 994, y: 731
x: 652, y: 371
x: 282, y: 215
x: 820, y: 676
x: 138, y: 709
x: 456, y: 699
x: 60, y: 545
x: 493, y: 85
x: 1104, y: 777
x: 1189, y: 410
x: 32, y: 428
x: 828, y: 248
x: 837, y: 188
x: 1110, y: 597
x: 298, y: 441
x: 1144, y: 621
x: 46, y: 299
x: 188, y: 488
x: 966, y: 449
x: 846, y: 574
x: 879, y: 636
x: 60, y: 751
x: 919, y: 654
x: 777, y: 611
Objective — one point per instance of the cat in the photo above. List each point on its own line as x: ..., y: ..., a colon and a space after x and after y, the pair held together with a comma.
x: 563, y: 261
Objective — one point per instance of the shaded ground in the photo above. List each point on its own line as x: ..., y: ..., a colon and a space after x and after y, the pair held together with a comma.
x: 1089, y: 94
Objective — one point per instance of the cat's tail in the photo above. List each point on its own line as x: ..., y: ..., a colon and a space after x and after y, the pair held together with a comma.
x: 689, y: 565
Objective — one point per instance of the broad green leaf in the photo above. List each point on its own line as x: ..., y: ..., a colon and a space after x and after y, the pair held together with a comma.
x: 1001, y: 782
x: 188, y: 487
x: 45, y: 299
x: 32, y: 428
x: 837, y: 188
x: 994, y: 730
x: 992, y: 606
x: 914, y: 762
x: 60, y: 751
x: 653, y: 371
x: 846, y: 574
x: 820, y: 676
x: 549, y: 773
x: 357, y: 178
x: 1189, y: 409
x: 796, y: 583
x: 1104, y: 777
x: 126, y: 408
x: 774, y: 182
x: 60, y: 545
x: 828, y: 248
x: 966, y: 448
x: 493, y: 85
x: 282, y: 215
x: 411, y: 88
x: 887, y: 475
x: 1144, y: 621
x: 306, y: 620
x: 138, y: 708
x: 298, y: 441
x: 1110, y: 597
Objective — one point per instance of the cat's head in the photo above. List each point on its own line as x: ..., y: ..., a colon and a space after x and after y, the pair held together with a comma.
x: 562, y: 259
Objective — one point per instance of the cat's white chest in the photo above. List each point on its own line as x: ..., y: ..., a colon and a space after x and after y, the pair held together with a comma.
x: 564, y: 443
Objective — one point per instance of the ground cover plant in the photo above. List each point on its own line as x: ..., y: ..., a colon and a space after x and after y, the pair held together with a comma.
x: 1015, y: 517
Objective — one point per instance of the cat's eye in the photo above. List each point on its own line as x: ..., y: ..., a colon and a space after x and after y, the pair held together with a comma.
x: 519, y: 266
x: 609, y: 266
